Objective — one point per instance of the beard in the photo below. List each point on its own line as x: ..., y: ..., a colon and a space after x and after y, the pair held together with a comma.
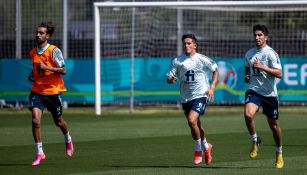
x: 39, y: 41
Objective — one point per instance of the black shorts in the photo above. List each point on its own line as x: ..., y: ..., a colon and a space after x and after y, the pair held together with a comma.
x: 53, y: 103
x: 268, y: 104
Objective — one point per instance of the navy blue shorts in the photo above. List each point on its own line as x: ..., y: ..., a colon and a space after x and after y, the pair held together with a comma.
x: 198, y: 105
x: 53, y: 103
x: 268, y: 104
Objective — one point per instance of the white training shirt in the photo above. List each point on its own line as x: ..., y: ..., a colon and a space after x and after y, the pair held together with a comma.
x: 57, y: 55
x: 193, y: 73
x: 260, y: 81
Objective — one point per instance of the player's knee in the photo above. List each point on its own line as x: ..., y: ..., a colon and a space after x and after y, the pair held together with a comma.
x: 35, y: 123
x: 192, y: 122
x: 248, y: 115
x: 275, y: 127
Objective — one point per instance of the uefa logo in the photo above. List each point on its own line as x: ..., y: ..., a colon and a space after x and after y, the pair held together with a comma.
x: 227, y: 74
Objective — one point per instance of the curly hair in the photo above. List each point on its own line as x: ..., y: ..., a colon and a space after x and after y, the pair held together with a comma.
x: 49, y: 26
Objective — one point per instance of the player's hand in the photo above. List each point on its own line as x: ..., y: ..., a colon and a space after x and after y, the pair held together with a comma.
x: 171, y: 79
x: 42, y: 65
x: 210, y: 95
x: 247, y: 78
x: 257, y: 64
x: 31, y: 77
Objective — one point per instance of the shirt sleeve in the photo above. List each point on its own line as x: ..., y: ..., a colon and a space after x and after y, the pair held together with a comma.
x: 246, y: 63
x: 274, y: 60
x: 210, y: 63
x: 58, y: 57
x: 173, y: 69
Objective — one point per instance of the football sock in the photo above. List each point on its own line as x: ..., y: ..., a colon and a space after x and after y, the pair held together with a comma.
x: 67, y: 137
x: 205, y: 144
x: 279, y: 149
x: 197, y: 145
x: 39, y: 148
x: 254, y: 137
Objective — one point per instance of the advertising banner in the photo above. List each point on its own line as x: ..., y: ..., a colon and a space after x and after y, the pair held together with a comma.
x: 149, y: 80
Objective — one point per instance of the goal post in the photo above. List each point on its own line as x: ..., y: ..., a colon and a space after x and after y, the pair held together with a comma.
x: 223, y: 41
x: 97, y: 61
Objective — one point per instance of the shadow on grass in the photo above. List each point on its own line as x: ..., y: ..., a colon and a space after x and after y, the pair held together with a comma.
x: 180, y: 166
x: 23, y: 164
x: 14, y: 164
x: 284, y: 145
x: 296, y: 145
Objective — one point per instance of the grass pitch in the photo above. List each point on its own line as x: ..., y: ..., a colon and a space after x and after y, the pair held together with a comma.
x: 150, y: 142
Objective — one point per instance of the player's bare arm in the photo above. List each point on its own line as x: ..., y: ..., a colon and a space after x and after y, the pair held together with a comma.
x: 30, y: 77
x: 247, y: 75
x: 215, y: 80
x: 60, y: 70
x: 273, y: 71
x: 171, y: 79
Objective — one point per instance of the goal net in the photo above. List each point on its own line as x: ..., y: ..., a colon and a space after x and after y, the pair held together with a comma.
x: 135, y: 41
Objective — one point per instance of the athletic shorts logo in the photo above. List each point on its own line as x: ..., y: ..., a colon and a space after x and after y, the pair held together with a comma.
x: 200, y: 105
x: 275, y: 114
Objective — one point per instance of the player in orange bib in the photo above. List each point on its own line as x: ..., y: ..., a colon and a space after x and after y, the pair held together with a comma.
x: 47, y: 85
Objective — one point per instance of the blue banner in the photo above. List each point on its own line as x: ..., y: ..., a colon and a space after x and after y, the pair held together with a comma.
x: 149, y: 80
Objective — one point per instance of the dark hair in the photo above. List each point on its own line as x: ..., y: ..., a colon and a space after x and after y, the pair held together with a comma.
x: 262, y: 28
x: 49, y: 26
x: 192, y: 36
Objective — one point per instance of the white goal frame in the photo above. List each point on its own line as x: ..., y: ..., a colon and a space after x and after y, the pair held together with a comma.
x: 169, y: 4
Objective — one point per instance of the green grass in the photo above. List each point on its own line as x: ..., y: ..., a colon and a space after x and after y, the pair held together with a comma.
x: 150, y: 142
